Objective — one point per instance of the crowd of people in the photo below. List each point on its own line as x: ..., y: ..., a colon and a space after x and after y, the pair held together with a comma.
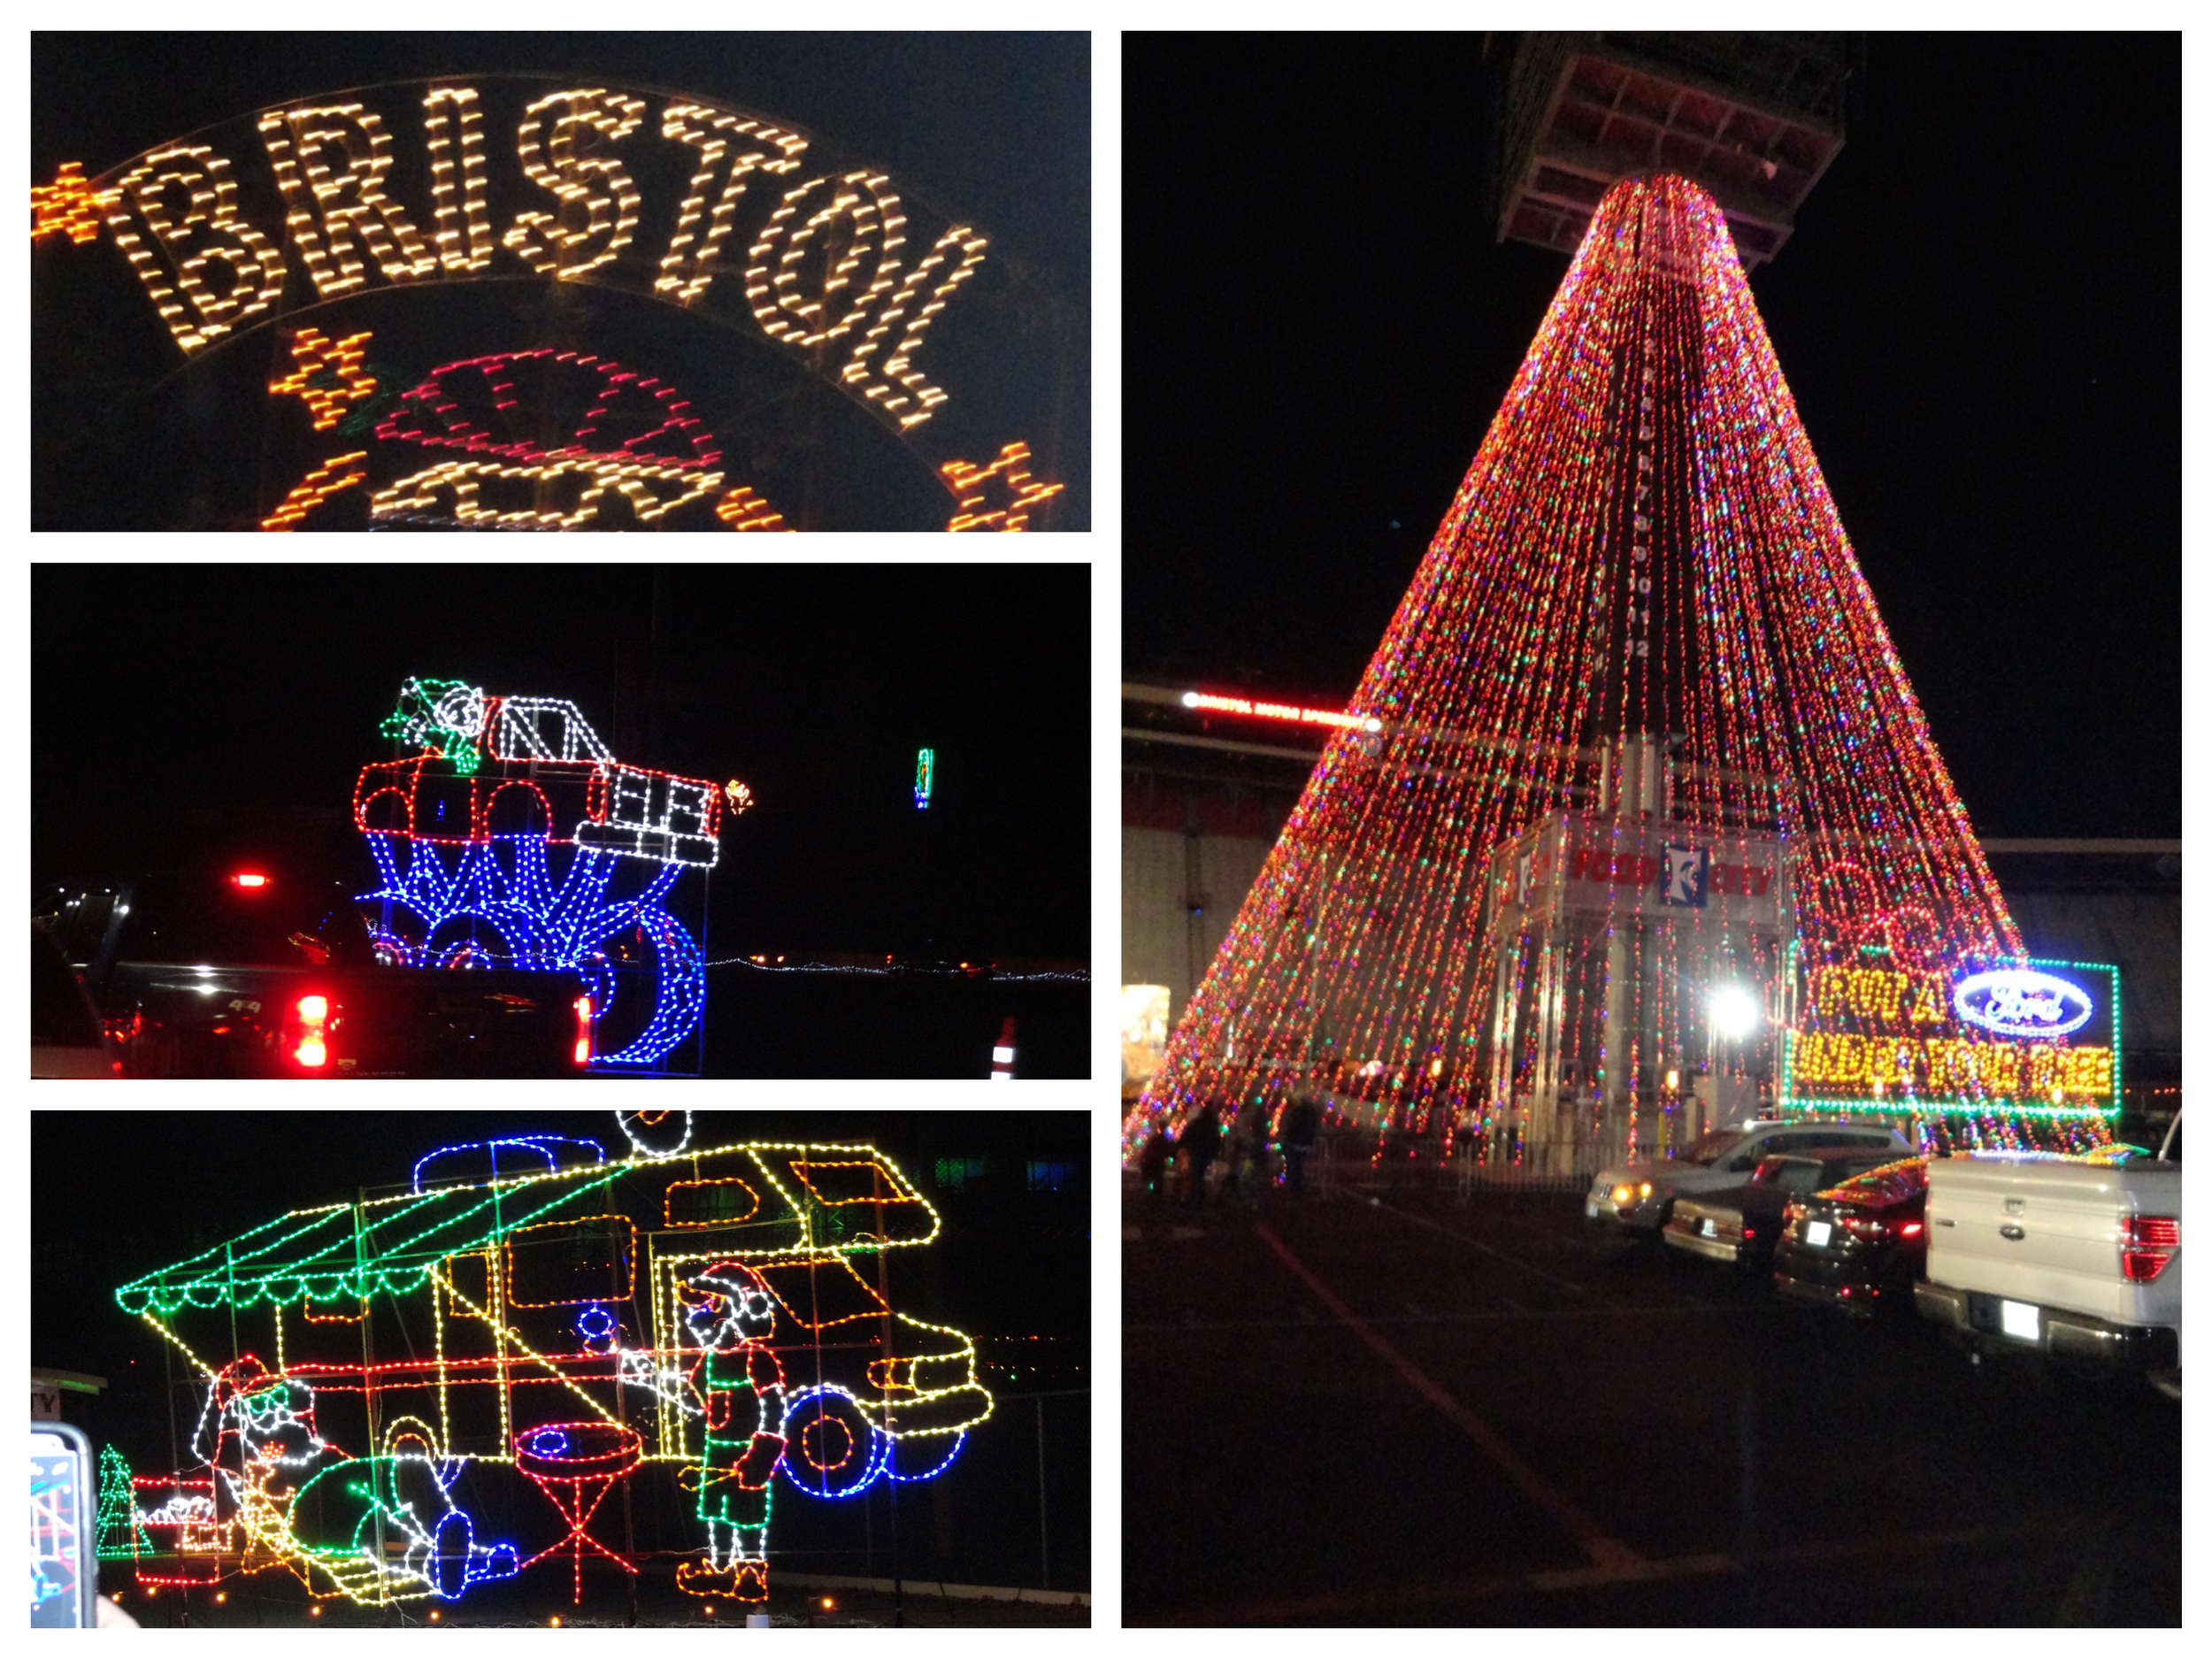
x: 1178, y: 1171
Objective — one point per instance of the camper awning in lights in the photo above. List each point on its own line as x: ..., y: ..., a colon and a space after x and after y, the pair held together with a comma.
x: 1885, y: 1035
x: 396, y: 1245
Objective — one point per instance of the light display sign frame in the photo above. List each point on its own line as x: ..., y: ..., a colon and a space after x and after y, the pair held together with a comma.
x: 1923, y: 1034
x: 843, y: 276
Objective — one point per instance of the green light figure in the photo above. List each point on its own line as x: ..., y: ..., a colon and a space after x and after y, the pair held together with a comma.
x: 119, y: 1538
x: 729, y: 1315
x: 446, y: 716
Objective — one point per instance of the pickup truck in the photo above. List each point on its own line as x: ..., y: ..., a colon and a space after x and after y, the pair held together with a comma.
x: 2078, y: 1258
x: 248, y: 973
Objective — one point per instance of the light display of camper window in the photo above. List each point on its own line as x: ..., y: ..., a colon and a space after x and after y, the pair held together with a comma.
x: 2035, y: 1039
x: 516, y: 837
x: 345, y: 1471
x: 1637, y: 731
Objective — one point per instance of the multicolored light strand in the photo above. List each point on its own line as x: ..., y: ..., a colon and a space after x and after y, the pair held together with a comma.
x: 526, y: 1287
x: 1636, y: 745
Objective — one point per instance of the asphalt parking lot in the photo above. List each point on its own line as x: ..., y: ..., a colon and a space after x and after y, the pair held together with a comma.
x: 1395, y: 1405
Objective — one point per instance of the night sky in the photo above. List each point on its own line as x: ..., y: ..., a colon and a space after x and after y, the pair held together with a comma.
x: 1979, y: 314
x: 990, y: 128
x: 182, y: 713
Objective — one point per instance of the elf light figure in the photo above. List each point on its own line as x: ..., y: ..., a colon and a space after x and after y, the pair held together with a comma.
x: 1637, y: 733
x: 736, y: 1387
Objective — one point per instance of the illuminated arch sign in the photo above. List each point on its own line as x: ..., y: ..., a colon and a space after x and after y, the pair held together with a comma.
x: 2035, y: 1039
x: 731, y: 217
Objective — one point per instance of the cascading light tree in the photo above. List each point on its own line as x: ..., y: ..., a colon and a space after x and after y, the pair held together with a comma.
x: 1634, y: 824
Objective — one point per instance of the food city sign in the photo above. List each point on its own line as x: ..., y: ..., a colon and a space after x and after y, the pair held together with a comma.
x: 2037, y: 1038
x: 717, y: 212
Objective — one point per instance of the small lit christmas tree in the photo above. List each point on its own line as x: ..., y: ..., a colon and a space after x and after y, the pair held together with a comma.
x: 1638, y: 827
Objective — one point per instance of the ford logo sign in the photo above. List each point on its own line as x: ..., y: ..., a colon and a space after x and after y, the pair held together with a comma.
x: 2021, y: 1003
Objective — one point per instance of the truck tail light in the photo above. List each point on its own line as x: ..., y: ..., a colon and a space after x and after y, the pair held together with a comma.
x: 583, y: 1031
x: 249, y: 880
x: 2147, y: 1244
x: 313, y: 1016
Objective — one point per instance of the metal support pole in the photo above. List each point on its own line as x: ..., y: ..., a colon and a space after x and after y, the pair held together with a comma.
x: 883, y: 1291
x: 1044, y: 1542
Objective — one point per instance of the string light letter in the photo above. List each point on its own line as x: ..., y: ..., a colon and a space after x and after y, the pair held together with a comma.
x: 685, y: 276
x: 464, y: 228
x: 591, y: 187
x: 187, y: 201
x: 348, y: 199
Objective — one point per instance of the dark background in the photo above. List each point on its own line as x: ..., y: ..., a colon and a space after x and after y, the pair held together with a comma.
x: 1979, y: 314
x: 993, y: 128
x: 181, y: 713
x: 119, y: 1195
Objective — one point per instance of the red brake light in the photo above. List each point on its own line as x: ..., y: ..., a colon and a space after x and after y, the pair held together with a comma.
x: 250, y: 879
x: 1911, y: 1229
x: 583, y: 1031
x: 314, y: 1020
x: 2147, y: 1244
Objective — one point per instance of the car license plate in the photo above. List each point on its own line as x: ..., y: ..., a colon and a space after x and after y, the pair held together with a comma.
x: 1816, y: 1234
x: 1706, y: 1226
x: 2021, y: 1319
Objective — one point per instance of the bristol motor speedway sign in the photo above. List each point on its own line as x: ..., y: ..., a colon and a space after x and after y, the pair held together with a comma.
x: 1570, y: 864
x: 731, y: 217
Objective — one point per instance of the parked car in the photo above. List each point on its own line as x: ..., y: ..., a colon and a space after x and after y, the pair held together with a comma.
x: 1633, y: 1200
x: 2077, y: 1258
x: 67, y: 1039
x: 254, y: 973
x: 1739, y: 1224
x: 1857, y: 1247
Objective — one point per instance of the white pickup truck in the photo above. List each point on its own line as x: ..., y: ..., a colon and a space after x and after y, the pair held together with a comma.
x: 2077, y: 1257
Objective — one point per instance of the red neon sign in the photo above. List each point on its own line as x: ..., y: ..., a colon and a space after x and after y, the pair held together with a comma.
x: 1282, y: 711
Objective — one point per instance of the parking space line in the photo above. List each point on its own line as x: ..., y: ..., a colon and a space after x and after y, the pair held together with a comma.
x: 1382, y: 1599
x: 1603, y: 1550
x: 1609, y: 1311
x: 1489, y: 1250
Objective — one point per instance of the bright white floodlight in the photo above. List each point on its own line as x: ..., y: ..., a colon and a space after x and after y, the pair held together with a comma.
x: 1734, y: 1011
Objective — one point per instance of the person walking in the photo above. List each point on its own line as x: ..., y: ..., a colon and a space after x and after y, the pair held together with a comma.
x: 1201, y: 1143
x: 1247, y: 1152
x: 1302, y: 1129
x: 1153, y: 1159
